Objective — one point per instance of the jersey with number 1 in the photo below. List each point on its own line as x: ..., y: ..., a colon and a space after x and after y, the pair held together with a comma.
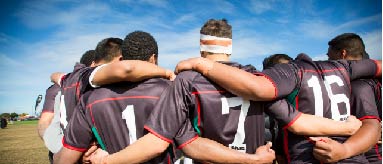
x: 114, y: 115
x: 214, y: 113
x: 320, y: 88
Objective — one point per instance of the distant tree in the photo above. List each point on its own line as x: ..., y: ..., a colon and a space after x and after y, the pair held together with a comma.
x: 7, y: 115
x: 14, y: 115
x: 23, y: 114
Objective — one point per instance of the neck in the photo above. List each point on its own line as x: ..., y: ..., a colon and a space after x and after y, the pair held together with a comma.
x: 217, y: 57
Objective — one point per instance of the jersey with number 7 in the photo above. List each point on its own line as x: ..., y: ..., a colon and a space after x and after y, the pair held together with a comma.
x: 320, y: 88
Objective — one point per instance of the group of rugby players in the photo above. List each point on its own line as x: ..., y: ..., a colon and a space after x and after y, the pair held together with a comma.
x: 118, y: 106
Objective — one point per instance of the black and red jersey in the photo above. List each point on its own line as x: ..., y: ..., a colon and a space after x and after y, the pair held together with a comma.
x: 114, y: 115
x: 320, y: 88
x: 366, y: 103
x: 213, y: 112
x: 73, y: 85
x: 49, y: 101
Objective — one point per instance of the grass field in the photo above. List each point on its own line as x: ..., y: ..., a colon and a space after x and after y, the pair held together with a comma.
x: 20, y: 144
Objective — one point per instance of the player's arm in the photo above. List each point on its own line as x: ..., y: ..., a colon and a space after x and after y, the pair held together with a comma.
x: 209, y: 151
x: 44, y: 121
x: 239, y: 82
x: 128, y: 70
x: 66, y: 156
x: 313, y: 125
x: 328, y: 150
x: 144, y: 149
x: 56, y: 77
x: 306, y: 124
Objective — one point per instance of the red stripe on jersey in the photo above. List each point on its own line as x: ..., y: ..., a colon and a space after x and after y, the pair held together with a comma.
x: 46, y: 111
x: 204, y: 92
x: 370, y: 117
x: 187, y: 142
x: 268, y: 78
x: 61, y: 80
x: 121, y: 98
x: 71, y: 86
x: 378, y: 72
x: 158, y: 135
x: 377, y: 152
x: 325, y: 70
x: 286, y: 145
x: 199, y: 113
x: 292, y: 121
x: 78, y: 91
x: 73, y: 148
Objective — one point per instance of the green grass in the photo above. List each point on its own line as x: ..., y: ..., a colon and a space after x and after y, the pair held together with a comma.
x: 20, y: 144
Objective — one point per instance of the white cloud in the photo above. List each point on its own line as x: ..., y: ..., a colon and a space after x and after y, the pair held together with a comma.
x: 260, y: 6
x: 373, y: 43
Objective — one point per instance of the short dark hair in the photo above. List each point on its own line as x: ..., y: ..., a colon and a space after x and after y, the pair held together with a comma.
x: 88, y: 57
x: 351, y: 42
x: 107, y: 49
x: 219, y: 28
x: 275, y: 59
x: 139, y: 45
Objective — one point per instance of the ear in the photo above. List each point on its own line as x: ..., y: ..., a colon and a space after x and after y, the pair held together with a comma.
x: 153, y: 59
x: 343, y: 53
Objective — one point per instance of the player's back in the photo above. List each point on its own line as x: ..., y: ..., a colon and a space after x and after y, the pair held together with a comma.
x: 324, y: 90
x: 221, y: 116
x: 72, y: 86
x: 118, y: 112
x: 366, y: 102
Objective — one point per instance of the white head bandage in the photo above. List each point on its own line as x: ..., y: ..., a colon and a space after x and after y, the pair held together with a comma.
x: 215, y: 44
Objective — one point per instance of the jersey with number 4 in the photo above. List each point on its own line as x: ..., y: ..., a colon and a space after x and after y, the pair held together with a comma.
x: 114, y: 115
x: 320, y: 88
x: 73, y: 85
x: 214, y: 113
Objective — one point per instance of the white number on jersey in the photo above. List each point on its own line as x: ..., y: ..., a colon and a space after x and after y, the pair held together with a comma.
x: 240, y: 135
x: 335, y: 99
x: 63, y: 116
x: 130, y: 120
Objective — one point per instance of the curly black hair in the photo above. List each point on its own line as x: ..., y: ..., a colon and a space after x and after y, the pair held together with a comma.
x: 107, y: 49
x: 139, y: 45
x: 88, y: 57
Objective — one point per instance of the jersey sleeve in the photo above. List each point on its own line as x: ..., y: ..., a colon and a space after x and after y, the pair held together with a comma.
x: 49, y: 100
x: 363, y: 104
x: 362, y: 69
x: 78, y: 133
x: 171, y: 112
x: 84, y: 80
x: 285, y: 78
x: 283, y: 111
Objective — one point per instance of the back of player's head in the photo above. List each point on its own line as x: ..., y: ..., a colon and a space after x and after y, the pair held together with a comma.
x: 218, y: 28
x: 139, y: 45
x: 88, y: 57
x: 216, y: 37
x: 276, y: 59
x: 351, y: 42
x: 108, y: 49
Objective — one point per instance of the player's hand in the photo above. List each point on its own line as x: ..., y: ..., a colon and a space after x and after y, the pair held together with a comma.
x: 89, y: 152
x: 354, y: 124
x: 328, y: 150
x: 99, y: 156
x: 199, y: 64
x: 170, y: 75
x: 265, y: 153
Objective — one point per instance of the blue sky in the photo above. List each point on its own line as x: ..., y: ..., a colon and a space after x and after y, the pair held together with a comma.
x: 45, y: 36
